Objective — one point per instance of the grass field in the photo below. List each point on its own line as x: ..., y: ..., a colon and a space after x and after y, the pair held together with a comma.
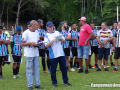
x: 78, y: 80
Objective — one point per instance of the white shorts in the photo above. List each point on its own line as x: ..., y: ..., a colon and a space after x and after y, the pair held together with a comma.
x: 111, y: 51
x: 90, y: 53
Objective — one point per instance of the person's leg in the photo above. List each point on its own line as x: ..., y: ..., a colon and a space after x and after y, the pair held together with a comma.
x: 14, y: 69
x: 14, y: 57
x: 80, y: 55
x: 67, y: 62
x: 71, y: 62
x: 96, y: 60
x: 89, y: 62
x: 36, y: 64
x: 77, y: 61
x: 53, y: 64
x: 19, y: 60
x: 29, y: 74
x: 48, y: 63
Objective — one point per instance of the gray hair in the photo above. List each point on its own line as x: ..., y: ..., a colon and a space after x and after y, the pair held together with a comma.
x: 63, y: 23
x: 33, y: 22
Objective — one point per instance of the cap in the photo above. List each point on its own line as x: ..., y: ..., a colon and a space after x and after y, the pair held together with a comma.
x: 83, y: 18
x: 4, y: 28
x: 62, y: 23
x: 39, y: 20
x: 28, y: 22
x: 115, y: 22
x: 49, y: 23
x: 18, y: 28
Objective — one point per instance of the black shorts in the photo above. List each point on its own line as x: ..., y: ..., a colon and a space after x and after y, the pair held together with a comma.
x: 74, y: 51
x: 47, y: 52
x: 4, y: 59
x: 17, y: 59
x: 67, y: 51
x: 94, y: 49
x: 42, y: 52
x: 117, y: 53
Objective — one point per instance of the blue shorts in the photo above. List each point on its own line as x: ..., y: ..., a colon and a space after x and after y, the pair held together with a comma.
x: 103, y: 51
x: 83, y: 50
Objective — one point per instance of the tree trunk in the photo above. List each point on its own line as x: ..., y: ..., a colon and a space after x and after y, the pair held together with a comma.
x: 84, y: 6
x: 95, y: 5
x: 82, y: 9
x: 101, y: 7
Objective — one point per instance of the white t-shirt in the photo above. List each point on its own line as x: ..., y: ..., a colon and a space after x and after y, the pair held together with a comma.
x: 30, y: 36
x: 56, y: 49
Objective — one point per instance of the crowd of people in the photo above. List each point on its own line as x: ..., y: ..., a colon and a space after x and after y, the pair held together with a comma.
x: 74, y: 44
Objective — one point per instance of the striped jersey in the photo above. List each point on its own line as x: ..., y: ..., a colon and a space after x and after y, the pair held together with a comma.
x: 41, y: 33
x: 65, y: 34
x: 114, y: 32
x: 4, y: 47
x: 117, y: 36
x: 74, y: 34
x: 94, y: 42
x: 16, y: 46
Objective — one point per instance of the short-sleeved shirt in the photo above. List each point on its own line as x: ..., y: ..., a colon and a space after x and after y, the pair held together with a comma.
x: 16, y: 47
x: 94, y: 42
x: 114, y: 32
x: 74, y: 34
x: 117, y: 36
x: 65, y: 34
x: 4, y: 47
x: 41, y: 33
x: 30, y: 36
x: 85, y: 32
x: 56, y: 49
x: 104, y: 35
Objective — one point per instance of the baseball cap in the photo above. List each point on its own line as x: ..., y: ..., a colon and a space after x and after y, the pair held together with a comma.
x: 82, y: 18
x: 39, y: 20
x: 4, y: 28
x: 49, y: 23
x: 18, y: 28
x: 62, y: 23
x: 28, y: 22
x: 115, y: 22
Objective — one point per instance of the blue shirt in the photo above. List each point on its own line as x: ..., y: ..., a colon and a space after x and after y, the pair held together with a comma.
x: 16, y: 47
x: 65, y: 34
x: 94, y: 42
x: 4, y: 47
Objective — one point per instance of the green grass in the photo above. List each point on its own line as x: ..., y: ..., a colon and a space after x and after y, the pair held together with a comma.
x: 78, y: 80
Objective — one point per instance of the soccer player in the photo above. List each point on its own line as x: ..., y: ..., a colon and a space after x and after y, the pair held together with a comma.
x: 94, y: 46
x: 16, y: 51
x: 42, y: 47
x: 56, y: 54
x: 73, y: 37
x: 104, y: 36
x: 4, y: 54
x: 66, y: 47
x: 30, y: 38
x: 84, y: 42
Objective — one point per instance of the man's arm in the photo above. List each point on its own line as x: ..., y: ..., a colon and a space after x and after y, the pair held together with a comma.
x: 98, y: 40
x: 114, y: 41
x: 27, y: 44
x: 5, y: 41
x: 105, y: 41
x: 71, y: 39
x: 49, y: 44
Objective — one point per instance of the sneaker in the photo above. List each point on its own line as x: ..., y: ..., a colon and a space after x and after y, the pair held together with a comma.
x: 80, y: 71
x: 30, y: 88
x: 90, y: 67
x: 98, y: 69
x: 67, y: 84
x: 106, y: 69
x: 39, y: 87
x: 54, y: 85
x: 45, y: 71
x: 72, y: 69
x: 14, y: 77
x: 49, y: 70
x: 1, y: 77
x: 114, y: 70
x: 18, y: 76
x: 86, y: 71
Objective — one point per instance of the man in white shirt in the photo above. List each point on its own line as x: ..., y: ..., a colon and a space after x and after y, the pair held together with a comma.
x: 56, y: 54
x: 30, y: 38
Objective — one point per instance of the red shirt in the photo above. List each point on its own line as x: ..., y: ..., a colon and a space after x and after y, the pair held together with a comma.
x: 85, y: 32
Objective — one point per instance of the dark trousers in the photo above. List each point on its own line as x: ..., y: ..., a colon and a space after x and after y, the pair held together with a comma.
x: 62, y: 63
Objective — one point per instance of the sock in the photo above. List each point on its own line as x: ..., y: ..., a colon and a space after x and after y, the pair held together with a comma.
x: 17, y: 70
x: 96, y: 65
x: 111, y: 63
x: 100, y: 67
x: 75, y: 63
x: 71, y: 64
x: 105, y: 66
x: 14, y: 71
x: 48, y: 64
x: 1, y: 73
x: 43, y: 64
x: 116, y: 67
x: 78, y: 64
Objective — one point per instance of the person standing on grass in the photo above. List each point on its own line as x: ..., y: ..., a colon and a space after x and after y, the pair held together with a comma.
x: 42, y: 47
x: 73, y: 37
x: 94, y: 46
x: 66, y: 47
x: 56, y: 54
x: 84, y: 42
x: 4, y: 54
x: 104, y: 36
x: 30, y: 38
x: 16, y: 51
x: 116, y: 47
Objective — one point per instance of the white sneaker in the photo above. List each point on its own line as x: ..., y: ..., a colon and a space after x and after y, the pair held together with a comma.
x: 14, y: 77
x: 72, y: 69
